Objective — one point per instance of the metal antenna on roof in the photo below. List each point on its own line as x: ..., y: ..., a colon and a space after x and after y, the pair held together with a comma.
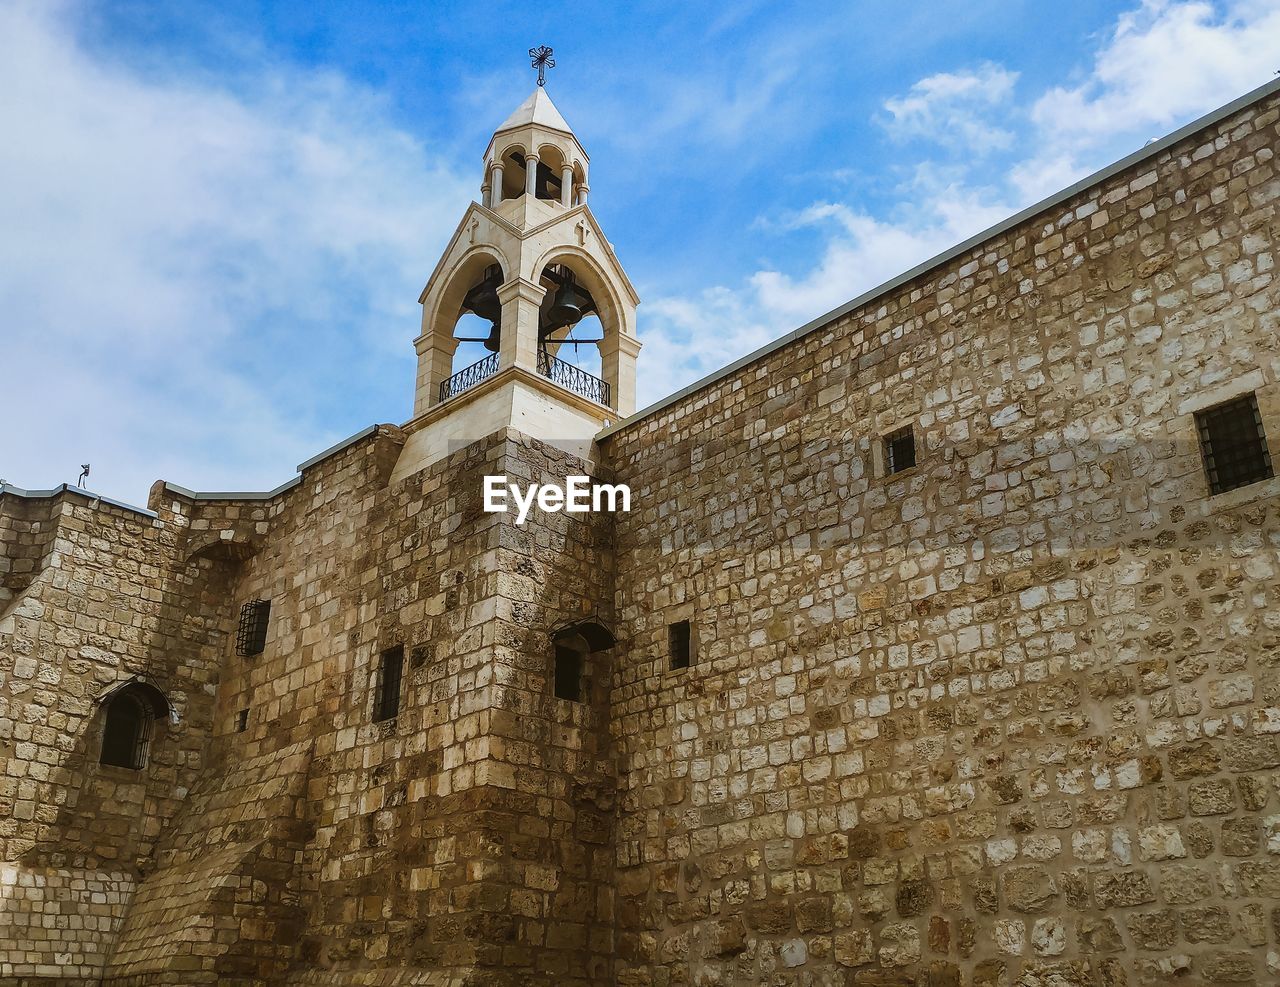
x: 84, y: 474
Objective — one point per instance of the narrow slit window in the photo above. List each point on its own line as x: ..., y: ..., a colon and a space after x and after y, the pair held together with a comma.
x: 568, y: 673
x: 387, y: 700
x: 251, y: 635
x: 1233, y: 444
x: 680, y: 644
x: 242, y: 721
x: 899, y: 450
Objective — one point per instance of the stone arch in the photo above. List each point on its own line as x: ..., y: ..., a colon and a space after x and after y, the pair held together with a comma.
x: 437, y: 344
x: 592, y: 275
x: 214, y: 545
x: 129, y: 712
x: 597, y: 636
x: 617, y: 331
x: 438, y: 320
x: 513, y: 158
x: 552, y: 161
x: 572, y: 648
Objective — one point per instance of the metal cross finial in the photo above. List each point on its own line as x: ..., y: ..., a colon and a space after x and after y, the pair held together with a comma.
x: 542, y: 60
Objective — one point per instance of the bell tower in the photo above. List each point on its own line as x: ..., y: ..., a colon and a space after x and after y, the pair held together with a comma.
x: 526, y: 284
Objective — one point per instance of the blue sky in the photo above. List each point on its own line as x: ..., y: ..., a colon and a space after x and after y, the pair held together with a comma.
x: 215, y: 218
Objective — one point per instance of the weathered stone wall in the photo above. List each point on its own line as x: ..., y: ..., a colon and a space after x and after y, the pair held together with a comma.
x: 100, y: 596
x: 1008, y: 717
x: 472, y: 833
x: 468, y: 838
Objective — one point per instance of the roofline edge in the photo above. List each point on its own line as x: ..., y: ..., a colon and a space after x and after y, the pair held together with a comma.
x: 1146, y: 151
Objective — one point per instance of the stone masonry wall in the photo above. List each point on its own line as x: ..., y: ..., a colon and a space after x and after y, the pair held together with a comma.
x: 1010, y: 716
x: 466, y: 840
x: 100, y: 596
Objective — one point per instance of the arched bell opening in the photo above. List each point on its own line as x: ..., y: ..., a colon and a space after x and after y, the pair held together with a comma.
x: 461, y: 328
x: 130, y: 713
x: 514, y: 173
x: 553, y: 169
x: 579, y: 318
x: 477, y: 333
x: 570, y: 333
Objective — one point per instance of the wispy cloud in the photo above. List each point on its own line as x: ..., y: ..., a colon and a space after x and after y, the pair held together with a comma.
x: 956, y: 108
x: 1164, y: 63
x: 1160, y: 65
x: 167, y: 228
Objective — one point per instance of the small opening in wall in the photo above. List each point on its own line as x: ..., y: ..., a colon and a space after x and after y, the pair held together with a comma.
x: 574, y: 648
x: 1233, y: 444
x: 386, y: 702
x: 680, y: 644
x: 568, y: 672
x: 242, y: 721
x: 251, y: 635
x: 899, y: 450
x: 126, y: 735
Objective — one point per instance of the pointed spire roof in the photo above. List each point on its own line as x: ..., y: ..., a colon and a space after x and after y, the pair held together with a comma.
x: 538, y: 109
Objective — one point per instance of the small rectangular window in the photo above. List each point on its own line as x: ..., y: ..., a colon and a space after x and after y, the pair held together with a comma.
x: 386, y: 702
x: 899, y: 450
x: 251, y: 635
x: 679, y: 644
x: 568, y: 683
x: 242, y: 721
x: 1233, y: 444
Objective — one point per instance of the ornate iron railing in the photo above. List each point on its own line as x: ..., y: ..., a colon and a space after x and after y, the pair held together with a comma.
x: 469, y: 377
x: 568, y: 376
x: 573, y: 378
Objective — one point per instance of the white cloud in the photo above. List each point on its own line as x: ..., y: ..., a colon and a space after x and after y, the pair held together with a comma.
x: 956, y: 108
x: 1163, y: 64
x: 160, y: 234
x: 692, y: 337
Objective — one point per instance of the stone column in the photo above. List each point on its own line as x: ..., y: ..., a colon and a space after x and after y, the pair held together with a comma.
x: 484, y: 196
x: 618, y: 366
x: 521, y: 300
x: 583, y: 189
x: 531, y: 176
x: 495, y: 183
x: 566, y: 186
x: 435, y: 365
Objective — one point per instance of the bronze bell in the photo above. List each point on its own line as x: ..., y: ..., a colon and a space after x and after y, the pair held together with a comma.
x: 567, y: 307
x: 483, y: 298
x: 493, y: 342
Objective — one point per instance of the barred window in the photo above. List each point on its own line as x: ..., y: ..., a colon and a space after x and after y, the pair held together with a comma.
x: 680, y: 644
x: 1233, y: 444
x: 899, y: 450
x: 126, y: 736
x: 251, y: 635
x: 386, y: 702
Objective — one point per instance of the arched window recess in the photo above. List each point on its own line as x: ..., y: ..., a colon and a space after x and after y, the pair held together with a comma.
x: 573, y: 646
x: 129, y: 712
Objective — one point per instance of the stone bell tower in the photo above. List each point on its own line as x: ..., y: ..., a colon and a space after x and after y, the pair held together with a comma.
x: 529, y: 259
